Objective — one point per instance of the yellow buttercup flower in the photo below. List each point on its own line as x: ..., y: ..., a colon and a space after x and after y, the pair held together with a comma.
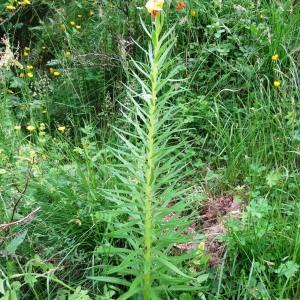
x: 30, y: 128
x: 79, y: 16
x: 277, y: 83
x: 193, y: 13
x: 17, y: 127
x: 25, y: 53
x: 29, y: 75
x: 91, y: 13
x: 29, y: 67
x: 25, y: 2
x: 78, y: 26
x: 61, y: 129
x: 275, y: 57
x: 56, y: 73
x: 26, y: 49
x: 154, y: 6
x: 62, y: 26
x: 68, y: 53
x: 10, y: 7
x: 72, y: 23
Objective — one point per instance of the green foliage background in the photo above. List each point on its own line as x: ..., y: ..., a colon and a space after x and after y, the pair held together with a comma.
x: 240, y: 136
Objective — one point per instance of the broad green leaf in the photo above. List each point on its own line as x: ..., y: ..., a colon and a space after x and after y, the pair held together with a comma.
x: 15, y: 243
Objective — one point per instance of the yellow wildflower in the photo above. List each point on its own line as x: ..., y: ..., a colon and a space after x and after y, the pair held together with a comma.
x: 42, y: 127
x: 56, y: 73
x: 61, y: 129
x: 10, y: 7
x: 27, y: 49
x: 30, y: 128
x: 277, y: 83
x: 25, y: 2
x: 91, y: 13
x: 62, y: 25
x: 72, y: 23
x: 25, y: 53
x: 68, y: 53
x: 79, y: 16
x: 51, y: 70
x: 32, y: 153
x: 44, y: 48
x: 17, y: 127
x: 78, y: 26
x: 193, y: 13
x: 154, y: 6
x: 275, y: 57
x: 22, y: 75
x: 29, y: 67
x: 29, y: 75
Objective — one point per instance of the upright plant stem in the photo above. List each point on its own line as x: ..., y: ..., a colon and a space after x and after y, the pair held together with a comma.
x: 149, y: 194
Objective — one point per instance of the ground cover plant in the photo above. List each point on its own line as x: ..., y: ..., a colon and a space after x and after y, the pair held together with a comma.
x: 149, y: 149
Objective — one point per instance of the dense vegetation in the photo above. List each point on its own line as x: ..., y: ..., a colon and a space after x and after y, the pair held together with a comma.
x: 149, y: 150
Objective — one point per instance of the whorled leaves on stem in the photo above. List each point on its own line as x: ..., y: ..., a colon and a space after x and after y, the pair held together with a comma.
x: 149, y: 185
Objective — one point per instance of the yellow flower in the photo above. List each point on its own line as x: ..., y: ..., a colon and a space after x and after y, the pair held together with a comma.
x: 10, y: 7
x: 51, y: 70
x: 56, y: 73
x: 277, y: 83
x: 72, y: 23
x: 68, y: 53
x: 26, y: 49
x: 61, y: 129
x: 25, y: 2
x: 91, y: 13
x: 79, y: 16
x: 77, y: 26
x: 29, y: 67
x: 154, y: 6
x: 22, y: 75
x: 62, y: 25
x: 275, y: 57
x: 29, y: 75
x: 44, y: 48
x: 42, y: 127
x: 32, y: 153
x: 25, y: 53
x: 193, y: 13
x: 30, y: 128
x: 17, y: 127
x: 44, y: 111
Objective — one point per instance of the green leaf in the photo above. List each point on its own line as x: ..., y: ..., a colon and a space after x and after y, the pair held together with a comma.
x: 288, y: 269
x: 15, y: 243
x: 185, y: 296
x: 172, y: 267
x: 108, y: 279
x: 273, y: 178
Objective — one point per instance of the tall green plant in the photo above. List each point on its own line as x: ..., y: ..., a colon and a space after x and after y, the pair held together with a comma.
x: 148, y: 215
